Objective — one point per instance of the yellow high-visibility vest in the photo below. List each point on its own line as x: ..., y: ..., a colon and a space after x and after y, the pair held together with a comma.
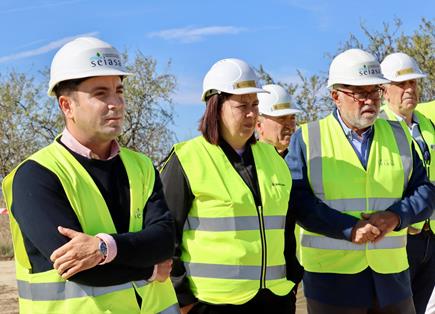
x: 230, y: 247
x: 338, y: 178
x: 47, y: 292
x: 428, y: 109
x: 428, y: 134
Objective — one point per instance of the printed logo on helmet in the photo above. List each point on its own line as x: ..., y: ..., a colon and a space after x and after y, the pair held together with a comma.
x: 369, y: 69
x: 105, y: 59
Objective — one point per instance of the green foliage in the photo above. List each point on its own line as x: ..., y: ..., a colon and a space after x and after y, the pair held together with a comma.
x: 149, y: 108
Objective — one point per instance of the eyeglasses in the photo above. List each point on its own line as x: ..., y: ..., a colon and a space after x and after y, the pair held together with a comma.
x: 375, y: 94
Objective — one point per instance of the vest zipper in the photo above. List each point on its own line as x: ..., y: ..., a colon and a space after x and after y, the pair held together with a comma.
x: 263, y: 248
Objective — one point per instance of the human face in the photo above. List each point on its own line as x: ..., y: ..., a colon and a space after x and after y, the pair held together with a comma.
x: 276, y: 130
x: 237, y: 119
x: 95, y: 112
x: 402, y: 96
x: 358, y: 105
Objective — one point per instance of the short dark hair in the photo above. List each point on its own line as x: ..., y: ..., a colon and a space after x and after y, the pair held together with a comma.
x: 68, y: 86
x: 209, y: 122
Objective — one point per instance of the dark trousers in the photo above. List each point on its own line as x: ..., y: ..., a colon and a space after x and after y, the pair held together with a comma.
x: 421, y: 257
x: 403, y: 307
x: 264, y: 302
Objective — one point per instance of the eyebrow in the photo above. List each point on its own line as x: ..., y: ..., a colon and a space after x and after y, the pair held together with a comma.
x: 104, y: 88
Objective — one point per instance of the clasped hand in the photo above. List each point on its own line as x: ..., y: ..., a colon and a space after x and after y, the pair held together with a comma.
x: 374, y: 227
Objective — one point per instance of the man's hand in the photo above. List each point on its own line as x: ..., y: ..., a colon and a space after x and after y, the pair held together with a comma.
x: 386, y: 221
x: 79, y: 254
x: 364, y: 232
x: 163, y: 270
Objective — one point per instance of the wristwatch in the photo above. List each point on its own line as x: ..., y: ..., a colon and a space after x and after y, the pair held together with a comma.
x: 102, y: 247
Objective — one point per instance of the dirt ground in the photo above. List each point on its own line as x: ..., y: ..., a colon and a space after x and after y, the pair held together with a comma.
x: 9, y: 299
x: 8, y: 288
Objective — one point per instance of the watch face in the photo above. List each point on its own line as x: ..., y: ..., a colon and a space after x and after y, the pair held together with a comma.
x: 103, y: 248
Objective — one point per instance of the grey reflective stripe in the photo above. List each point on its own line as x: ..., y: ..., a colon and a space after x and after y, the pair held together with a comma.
x: 315, y: 151
x: 359, y: 204
x: 56, y: 291
x: 320, y: 242
x: 233, y: 271
x: 173, y: 309
x: 378, y: 204
x: 233, y: 223
x: 405, y: 152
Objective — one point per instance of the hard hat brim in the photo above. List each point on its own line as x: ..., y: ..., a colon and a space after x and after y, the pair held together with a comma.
x: 248, y: 90
x: 358, y: 82
x: 93, y: 73
x: 408, y: 77
x: 240, y: 91
x: 280, y: 113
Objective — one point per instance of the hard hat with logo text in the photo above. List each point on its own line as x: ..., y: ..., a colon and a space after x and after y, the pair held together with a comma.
x: 232, y: 76
x: 277, y: 103
x: 84, y: 57
x: 399, y: 67
x: 355, y: 67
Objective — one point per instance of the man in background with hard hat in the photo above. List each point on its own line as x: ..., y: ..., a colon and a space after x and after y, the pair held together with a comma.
x: 277, y: 120
x: 401, y: 99
x: 91, y: 228
x: 357, y: 184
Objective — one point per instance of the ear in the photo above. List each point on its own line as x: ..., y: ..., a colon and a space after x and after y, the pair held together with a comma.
x: 385, y: 93
x: 334, y: 96
x: 65, y: 104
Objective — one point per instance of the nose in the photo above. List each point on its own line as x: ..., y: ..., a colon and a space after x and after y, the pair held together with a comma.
x: 252, y: 112
x: 116, y: 101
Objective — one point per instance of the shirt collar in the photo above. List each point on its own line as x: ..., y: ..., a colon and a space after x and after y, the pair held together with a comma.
x: 74, y: 145
x: 350, y: 134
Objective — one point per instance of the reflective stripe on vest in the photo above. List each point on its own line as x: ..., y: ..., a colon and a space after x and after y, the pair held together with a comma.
x: 338, y: 178
x: 233, y: 223
x: 55, y: 291
x: 233, y: 272
x: 325, y: 243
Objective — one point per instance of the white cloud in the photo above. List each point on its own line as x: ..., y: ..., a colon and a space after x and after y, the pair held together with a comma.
x: 190, y: 34
x: 43, y: 49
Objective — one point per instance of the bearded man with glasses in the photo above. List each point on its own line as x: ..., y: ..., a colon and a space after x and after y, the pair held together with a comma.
x: 357, y: 185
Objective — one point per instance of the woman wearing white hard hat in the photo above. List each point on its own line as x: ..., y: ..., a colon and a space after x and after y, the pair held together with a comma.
x: 229, y: 195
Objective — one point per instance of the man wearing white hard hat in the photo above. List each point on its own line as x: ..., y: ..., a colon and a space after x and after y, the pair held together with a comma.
x: 91, y: 229
x: 229, y: 195
x: 277, y: 120
x: 357, y: 185
x: 401, y: 99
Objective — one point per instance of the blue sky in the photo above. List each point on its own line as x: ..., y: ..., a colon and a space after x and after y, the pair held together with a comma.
x: 282, y: 35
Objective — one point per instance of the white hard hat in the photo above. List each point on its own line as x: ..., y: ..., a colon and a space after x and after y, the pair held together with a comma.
x: 276, y: 103
x: 232, y: 76
x: 355, y: 67
x: 399, y: 67
x: 84, y: 57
